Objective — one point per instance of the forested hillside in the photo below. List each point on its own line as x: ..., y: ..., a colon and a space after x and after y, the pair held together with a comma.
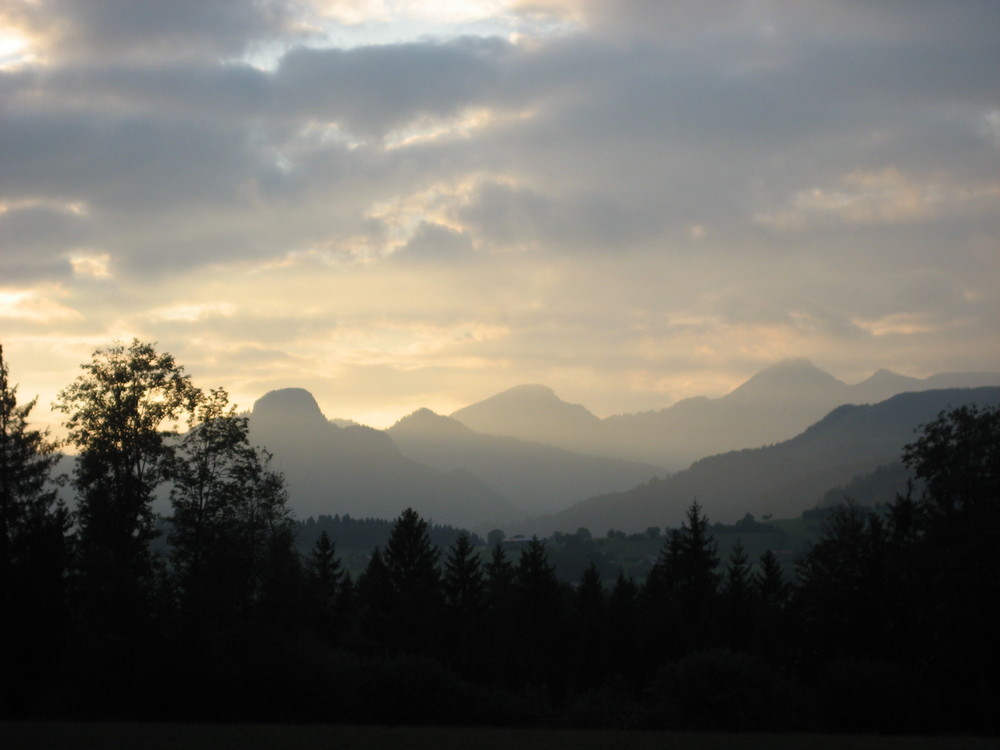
x: 781, y: 480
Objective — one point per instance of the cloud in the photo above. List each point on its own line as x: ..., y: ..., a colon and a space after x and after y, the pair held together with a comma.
x: 435, y: 243
x: 445, y: 200
x: 882, y: 197
x: 145, y: 30
x: 373, y: 90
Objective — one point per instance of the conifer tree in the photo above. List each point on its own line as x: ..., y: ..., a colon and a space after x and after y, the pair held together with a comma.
x: 326, y: 569
x: 623, y: 626
x: 464, y: 589
x: 539, y: 624
x: 28, y: 503
x: 693, y: 551
x: 771, y: 593
x: 590, y: 625
x: 738, y: 608
x: 679, y: 595
x: 375, y: 620
x: 463, y: 581
x: 499, y: 578
x: 411, y: 563
x: 769, y: 583
x: 34, y: 553
x: 500, y: 640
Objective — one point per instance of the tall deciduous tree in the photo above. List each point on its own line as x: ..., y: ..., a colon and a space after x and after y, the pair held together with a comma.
x: 841, y: 592
x: 230, y: 514
x: 120, y: 411
x: 953, y: 535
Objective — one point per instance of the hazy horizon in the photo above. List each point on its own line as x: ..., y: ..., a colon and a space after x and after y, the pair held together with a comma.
x: 400, y: 205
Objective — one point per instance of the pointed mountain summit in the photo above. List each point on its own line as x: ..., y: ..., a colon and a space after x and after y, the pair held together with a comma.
x: 882, y: 384
x: 532, y: 412
x: 426, y: 423
x: 359, y: 470
x: 790, y: 379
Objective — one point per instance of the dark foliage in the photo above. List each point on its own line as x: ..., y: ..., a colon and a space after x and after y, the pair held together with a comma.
x: 890, y: 625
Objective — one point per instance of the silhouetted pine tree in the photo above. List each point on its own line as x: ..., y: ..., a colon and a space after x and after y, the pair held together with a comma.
x: 623, y: 632
x: 771, y: 592
x: 411, y: 563
x: 695, y: 563
x: 540, y: 623
x: 331, y: 590
x: 374, y: 623
x: 500, y: 640
x: 464, y: 587
x: 738, y: 601
x: 678, y: 598
x: 590, y: 626
x: 34, y: 558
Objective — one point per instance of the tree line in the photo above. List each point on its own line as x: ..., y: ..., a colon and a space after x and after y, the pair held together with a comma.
x: 889, y: 623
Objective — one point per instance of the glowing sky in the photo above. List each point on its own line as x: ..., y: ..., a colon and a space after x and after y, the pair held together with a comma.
x: 406, y: 204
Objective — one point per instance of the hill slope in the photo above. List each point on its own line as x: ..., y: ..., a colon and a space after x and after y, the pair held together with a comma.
x: 783, y: 479
x: 539, y: 478
x: 775, y: 404
x: 358, y: 470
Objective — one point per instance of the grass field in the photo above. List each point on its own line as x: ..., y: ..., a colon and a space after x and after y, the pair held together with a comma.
x: 85, y: 736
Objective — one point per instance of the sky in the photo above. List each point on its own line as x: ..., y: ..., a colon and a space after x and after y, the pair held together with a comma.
x: 412, y: 203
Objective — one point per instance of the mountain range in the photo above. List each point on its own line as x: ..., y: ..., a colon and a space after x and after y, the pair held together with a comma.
x: 359, y: 471
x: 536, y: 477
x: 775, y: 404
x: 782, y: 479
x: 526, y: 454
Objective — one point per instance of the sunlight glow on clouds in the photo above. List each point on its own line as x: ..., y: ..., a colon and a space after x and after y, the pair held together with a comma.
x: 96, y: 266
x: 35, y: 306
x: 405, y: 203
x: 882, y: 197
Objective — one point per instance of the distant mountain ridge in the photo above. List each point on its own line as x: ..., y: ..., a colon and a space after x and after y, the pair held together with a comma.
x: 539, y: 478
x: 782, y: 479
x: 529, y: 412
x: 454, y: 473
x: 773, y: 405
x: 359, y: 471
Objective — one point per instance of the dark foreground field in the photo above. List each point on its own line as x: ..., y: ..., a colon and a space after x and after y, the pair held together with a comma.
x: 55, y: 736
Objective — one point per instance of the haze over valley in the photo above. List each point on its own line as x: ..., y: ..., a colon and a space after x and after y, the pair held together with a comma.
x: 530, y: 462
